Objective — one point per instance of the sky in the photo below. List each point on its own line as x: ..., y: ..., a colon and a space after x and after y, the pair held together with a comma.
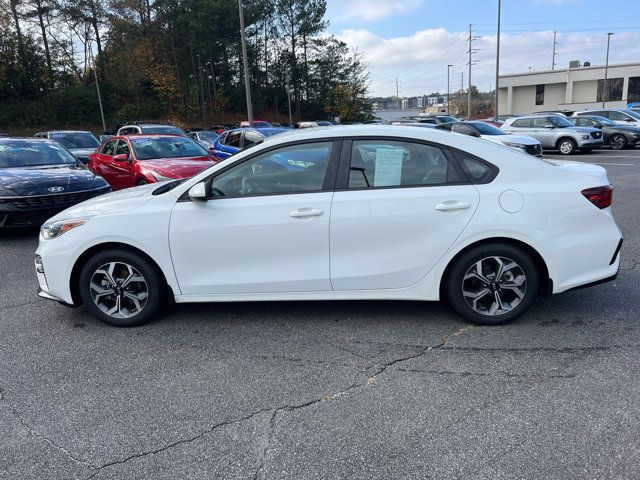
x: 415, y: 40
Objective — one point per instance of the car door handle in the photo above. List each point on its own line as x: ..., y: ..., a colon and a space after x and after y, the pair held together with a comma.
x: 451, y: 205
x: 306, y: 212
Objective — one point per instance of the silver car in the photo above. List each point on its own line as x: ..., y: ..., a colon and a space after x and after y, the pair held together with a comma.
x: 555, y: 132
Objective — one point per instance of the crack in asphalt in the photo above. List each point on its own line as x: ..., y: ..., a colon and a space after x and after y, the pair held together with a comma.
x: 487, y: 374
x: 595, y: 348
x: 177, y: 442
x: 40, y: 436
x: 355, y: 385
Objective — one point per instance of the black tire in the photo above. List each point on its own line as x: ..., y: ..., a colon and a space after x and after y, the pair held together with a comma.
x: 152, y: 284
x: 456, y: 283
x: 617, y: 142
x: 566, y: 146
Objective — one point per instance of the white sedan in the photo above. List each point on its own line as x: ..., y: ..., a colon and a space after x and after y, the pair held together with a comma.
x: 359, y: 212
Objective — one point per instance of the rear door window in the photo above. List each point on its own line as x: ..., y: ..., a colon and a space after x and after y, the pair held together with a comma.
x: 389, y: 163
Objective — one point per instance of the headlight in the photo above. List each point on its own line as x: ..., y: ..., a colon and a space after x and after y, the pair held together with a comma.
x: 161, y: 178
x: 514, y: 145
x: 54, y: 229
x: 585, y: 137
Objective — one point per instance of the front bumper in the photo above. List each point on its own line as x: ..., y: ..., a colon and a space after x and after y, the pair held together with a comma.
x: 590, y: 143
x: 33, y: 211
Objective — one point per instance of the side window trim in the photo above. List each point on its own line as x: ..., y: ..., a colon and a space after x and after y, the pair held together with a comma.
x: 342, y: 180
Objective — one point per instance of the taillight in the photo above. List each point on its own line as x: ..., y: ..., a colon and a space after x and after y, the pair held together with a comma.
x: 601, y: 197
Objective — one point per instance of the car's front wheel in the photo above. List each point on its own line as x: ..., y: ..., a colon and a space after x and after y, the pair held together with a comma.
x: 121, y: 288
x: 492, y: 284
x: 566, y: 146
x: 618, y: 142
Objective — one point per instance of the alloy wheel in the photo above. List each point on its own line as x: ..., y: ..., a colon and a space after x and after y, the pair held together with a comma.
x: 494, y: 286
x: 119, y: 290
x: 617, y: 142
x: 566, y: 147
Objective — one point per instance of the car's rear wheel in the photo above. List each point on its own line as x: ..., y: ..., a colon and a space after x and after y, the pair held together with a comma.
x: 121, y: 288
x: 618, y: 142
x: 492, y: 284
x: 566, y: 146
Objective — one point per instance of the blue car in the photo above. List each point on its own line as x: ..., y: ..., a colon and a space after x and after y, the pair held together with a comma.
x: 233, y: 141
x: 40, y: 178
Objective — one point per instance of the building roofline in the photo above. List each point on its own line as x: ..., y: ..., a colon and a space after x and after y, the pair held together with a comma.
x: 562, y: 70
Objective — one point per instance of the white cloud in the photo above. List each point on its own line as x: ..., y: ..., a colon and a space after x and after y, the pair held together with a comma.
x: 368, y: 10
x: 420, y: 60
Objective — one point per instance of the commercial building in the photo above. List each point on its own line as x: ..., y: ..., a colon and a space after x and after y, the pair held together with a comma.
x: 576, y: 88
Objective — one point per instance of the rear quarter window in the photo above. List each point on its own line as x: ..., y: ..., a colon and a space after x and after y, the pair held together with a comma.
x: 477, y: 171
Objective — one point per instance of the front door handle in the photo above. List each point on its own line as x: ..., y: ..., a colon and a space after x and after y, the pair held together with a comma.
x: 306, y: 212
x: 451, y: 205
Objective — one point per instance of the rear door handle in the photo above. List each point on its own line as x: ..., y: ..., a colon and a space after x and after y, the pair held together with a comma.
x: 452, y: 205
x: 306, y: 212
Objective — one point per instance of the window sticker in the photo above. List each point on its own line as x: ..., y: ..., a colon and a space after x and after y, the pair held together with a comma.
x: 58, y: 135
x: 388, y: 167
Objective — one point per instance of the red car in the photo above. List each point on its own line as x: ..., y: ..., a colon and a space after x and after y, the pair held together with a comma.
x: 138, y: 159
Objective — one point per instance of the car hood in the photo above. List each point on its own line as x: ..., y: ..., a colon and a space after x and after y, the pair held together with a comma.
x: 28, y: 181
x: 581, y: 168
x: 624, y: 128
x: 177, y: 167
x: 114, y: 202
x: 522, y: 139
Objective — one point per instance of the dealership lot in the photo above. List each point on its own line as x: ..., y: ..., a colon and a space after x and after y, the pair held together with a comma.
x: 318, y: 390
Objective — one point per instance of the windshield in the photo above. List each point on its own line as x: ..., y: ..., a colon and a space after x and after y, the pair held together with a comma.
x: 559, y: 121
x: 633, y: 113
x: 208, y: 136
x: 75, y: 139
x: 604, y: 121
x: 447, y: 119
x: 487, y: 128
x: 166, y: 147
x: 162, y: 129
x: 25, y: 153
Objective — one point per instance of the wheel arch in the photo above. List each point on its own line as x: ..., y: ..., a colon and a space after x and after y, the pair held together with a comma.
x: 566, y: 137
x: 74, y: 278
x: 546, y: 283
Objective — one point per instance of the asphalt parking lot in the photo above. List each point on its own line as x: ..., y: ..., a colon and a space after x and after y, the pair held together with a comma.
x: 314, y: 390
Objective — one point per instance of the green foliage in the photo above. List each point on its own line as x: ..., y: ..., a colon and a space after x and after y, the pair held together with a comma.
x: 178, y: 59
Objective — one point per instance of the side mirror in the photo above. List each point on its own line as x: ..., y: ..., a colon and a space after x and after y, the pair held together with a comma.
x: 121, y: 157
x: 198, y: 192
x: 474, y: 134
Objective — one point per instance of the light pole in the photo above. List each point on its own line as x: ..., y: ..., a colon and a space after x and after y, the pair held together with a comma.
x: 448, y: 88
x: 606, y: 71
x: 95, y: 75
x: 247, y: 84
x: 498, y: 58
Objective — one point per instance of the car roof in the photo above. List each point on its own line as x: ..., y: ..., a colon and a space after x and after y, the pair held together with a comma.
x: 68, y: 131
x: 145, y: 135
